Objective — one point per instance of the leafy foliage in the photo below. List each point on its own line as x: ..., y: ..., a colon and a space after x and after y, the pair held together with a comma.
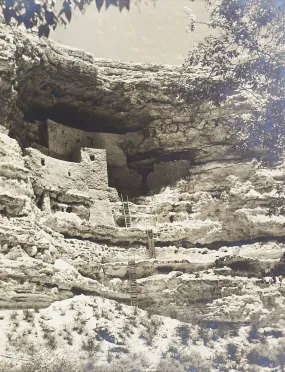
x: 41, y: 14
x: 242, y: 61
x: 277, y: 205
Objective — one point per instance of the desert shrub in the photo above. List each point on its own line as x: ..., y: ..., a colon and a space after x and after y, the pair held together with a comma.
x: 41, y: 360
x: 118, y: 306
x: 256, y: 356
x: 220, y: 360
x: 232, y: 351
x: 44, y: 362
x: 192, y: 360
x: 130, y: 363
x: 90, y: 346
x: 173, y: 313
x: 78, y: 329
x: 80, y: 318
x: 221, y: 330
x: 152, y: 326
x: 150, y: 312
x: 168, y: 364
x: 51, y: 341
x: 204, y: 333
x: 28, y: 316
x: 279, y: 356
x: 173, y: 353
x: 6, y: 366
x: 253, y: 333
x: 13, y: 315
x: 132, y: 320
x: 184, y: 333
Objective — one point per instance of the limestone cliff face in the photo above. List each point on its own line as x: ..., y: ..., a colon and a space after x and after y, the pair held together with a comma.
x: 75, y: 132
x: 132, y: 110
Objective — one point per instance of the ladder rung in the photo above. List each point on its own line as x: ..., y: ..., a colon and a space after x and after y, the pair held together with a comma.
x: 133, y: 292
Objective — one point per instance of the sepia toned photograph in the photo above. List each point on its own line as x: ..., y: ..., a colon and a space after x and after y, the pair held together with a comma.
x: 142, y: 185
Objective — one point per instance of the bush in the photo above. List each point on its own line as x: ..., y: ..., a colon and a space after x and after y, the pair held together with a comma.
x: 253, y: 333
x: 255, y: 356
x: 168, y: 365
x: 280, y: 355
x: 184, y: 333
x: 46, y: 363
x: 232, y: 351
x: 90, y: 346
x: 28, y: 316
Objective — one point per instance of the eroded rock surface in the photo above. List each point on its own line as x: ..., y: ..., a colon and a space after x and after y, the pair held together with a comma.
x: 86, y: 130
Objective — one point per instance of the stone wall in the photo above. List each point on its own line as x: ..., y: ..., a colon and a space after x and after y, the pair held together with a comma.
x: 64, y: 141
x: 57, y: 175
x: 167, y: 173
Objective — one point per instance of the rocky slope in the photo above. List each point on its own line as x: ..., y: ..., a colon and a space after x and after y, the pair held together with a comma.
x: 63, y: 244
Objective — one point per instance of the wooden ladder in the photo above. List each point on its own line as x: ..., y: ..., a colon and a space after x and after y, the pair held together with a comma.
x: 126, y: 210
x: 150, y: 240
x: 133, y: 283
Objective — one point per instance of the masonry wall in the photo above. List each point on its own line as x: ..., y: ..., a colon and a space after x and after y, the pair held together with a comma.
x: 57, y: 175
x: 65, y: 141
x: 167, y: 173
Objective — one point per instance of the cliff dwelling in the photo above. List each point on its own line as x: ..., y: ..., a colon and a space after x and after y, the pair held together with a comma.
x: 190, y: 256
x: 129, y: 172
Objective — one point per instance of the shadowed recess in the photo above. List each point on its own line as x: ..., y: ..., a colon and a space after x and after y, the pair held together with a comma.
x: 78, y: 118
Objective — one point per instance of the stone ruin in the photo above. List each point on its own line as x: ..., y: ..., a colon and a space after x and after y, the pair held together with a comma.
x: 72, y: 142
x: 74, y: 187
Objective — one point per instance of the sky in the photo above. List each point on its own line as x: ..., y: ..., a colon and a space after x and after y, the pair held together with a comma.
x: 148, y: 33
